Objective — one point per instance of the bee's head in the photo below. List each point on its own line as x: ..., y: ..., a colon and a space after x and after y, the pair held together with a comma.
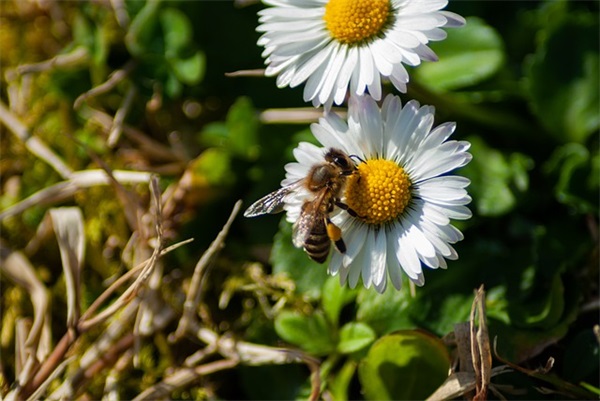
x: 340, y: 159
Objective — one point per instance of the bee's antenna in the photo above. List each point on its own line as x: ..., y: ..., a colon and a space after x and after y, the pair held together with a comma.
x: 357, y: 157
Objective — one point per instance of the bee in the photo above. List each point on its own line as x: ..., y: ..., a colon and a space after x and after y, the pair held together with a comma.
x: 314, y: 231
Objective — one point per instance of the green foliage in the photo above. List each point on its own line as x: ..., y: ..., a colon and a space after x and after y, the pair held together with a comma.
x: 562, y: 76
x: 468, y: 56
x: 161, y: 39
x: 354, y: 337
x: 576, y: 171
x: 312, y: 333
x: 407, y: 365
x: 239, y: 132
x: 497, y: 179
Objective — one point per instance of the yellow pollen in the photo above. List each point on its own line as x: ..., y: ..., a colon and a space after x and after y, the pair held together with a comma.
x: 379, y: 192
x: 354, y: 21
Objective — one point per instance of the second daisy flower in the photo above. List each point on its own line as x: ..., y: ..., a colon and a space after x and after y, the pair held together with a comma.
x: 335, y: 44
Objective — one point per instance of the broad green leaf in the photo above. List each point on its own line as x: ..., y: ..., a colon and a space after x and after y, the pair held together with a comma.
x: 189, y: 70
x: 335, y: 297
x: 545, y: 312
x: 308, y: 275
x: 562, y: 78
x: 468, y: 55
x: 528, y: 334
x: 309, y: 332
x: 83, y: 32
x: 385, y: 312
x: 338, y: 385
x: 354, y: 337
x: 177, y: 31
x: 213, y: 166
x: 577, y: 181
x: 407, y: 365
x: 173, y: 86
x: 495, y: 178
x: 140, y: 39
x: 239, y: 133
x: 242, y: 122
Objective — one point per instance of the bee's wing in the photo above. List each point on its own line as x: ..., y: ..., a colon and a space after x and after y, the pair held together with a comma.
x: 271, y: 203
x: 310, y: 216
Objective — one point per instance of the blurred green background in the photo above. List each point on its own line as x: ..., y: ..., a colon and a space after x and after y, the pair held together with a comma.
x: 521, y: 80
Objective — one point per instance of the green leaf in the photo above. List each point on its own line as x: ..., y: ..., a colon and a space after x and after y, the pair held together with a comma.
x: 239, y: 133
x: 577, y: 174
x: 177, y: 31
x: 214, y: 167
x: 311, y: 333
x: 495, y: 178
x: 308, y: 275
x: 354, y: 337
x: 83, y: 32
x: 385, y: 312
x: 173, y: 86
x: 242, y: 122
x: 141, y: 34
x: 335, y: 297
x: 339, y: 384
x: 545, y: 312
x: 468, y: 55
x: 408, y: 365
x: 562, y: 78
x: 189, y: 70
x: 539, y: 320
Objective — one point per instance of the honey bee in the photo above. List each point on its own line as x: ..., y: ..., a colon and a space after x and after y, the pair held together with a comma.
x: 314, y: 231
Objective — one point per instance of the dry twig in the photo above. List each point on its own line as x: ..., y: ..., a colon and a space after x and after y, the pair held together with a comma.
x: 193, y: 296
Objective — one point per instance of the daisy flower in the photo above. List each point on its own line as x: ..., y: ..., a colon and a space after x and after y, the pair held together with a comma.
x: 402, y: 195
x: 330, y: 44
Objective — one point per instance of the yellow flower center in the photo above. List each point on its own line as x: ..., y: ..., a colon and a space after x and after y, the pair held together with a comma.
x: 380, y: 191
x: 355, y: 21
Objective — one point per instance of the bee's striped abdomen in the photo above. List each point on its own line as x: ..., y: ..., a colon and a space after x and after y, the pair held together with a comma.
x: 318, y: 243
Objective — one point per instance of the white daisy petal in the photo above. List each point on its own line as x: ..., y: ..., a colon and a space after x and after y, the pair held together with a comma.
x: 407, y: 256
x: 313, y: 85
x: 310, y: 65
x: 425, y: 53
x: 453, y: 20
x: 432, y: 213
x: 418, y: 240
x: 361, y: 265
x: 384, y: 66
x: 366, y: 70
x: 375, y: 87
x: 354, y: 243
x: 433, y: 190
x: 399, y: 77
x: 363, y: 262
x: 447, y: 157
x: 335, y: 264
x: 378, y: 258
x: 306, y: 153
x: 393, y: 263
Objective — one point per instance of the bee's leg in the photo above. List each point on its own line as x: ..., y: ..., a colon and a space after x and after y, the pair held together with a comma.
x: 335, y: 234
x: 347, y: 208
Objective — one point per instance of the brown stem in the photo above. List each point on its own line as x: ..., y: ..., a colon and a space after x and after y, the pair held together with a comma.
x: 50, y: 364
